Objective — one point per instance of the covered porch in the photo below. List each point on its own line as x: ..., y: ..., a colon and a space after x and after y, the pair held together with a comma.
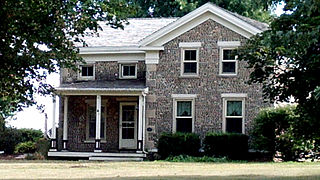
x: 99, y: 120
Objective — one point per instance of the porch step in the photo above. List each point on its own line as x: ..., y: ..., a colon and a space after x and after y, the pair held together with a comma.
x: 99, y: 158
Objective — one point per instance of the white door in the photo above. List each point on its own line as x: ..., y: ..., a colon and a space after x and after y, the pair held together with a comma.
x: 128, y: 125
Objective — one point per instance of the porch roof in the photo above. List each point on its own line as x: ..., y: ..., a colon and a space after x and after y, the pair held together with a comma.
x: 103, y: 86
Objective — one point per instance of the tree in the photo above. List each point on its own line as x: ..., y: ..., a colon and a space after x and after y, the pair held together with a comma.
x: 256, y: 9
x: 38, y: 37
x: 286, y: 60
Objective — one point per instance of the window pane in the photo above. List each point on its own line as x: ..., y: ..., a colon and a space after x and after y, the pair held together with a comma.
x: 102, y: 129
x: 90, y: 71
x: 234, y: 108
x: 84, y: 71
x: 190, y: 55
x: 234, y: 125
x: 92, y: 129
x: 184, y: 124
x: 184, y: 108
x: 229, y: 67
x: 127, y: 133
x: 128, y: 113
x: 190, y: 67
x: 229, y: 54
x: 132, y: 71
x: 129, y: 70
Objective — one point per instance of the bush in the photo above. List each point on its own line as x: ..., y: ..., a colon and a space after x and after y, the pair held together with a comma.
x: 186, y: 158
x: 42, y: 147
x: 11, y: 137
x: 178, y: 144
x: 275, y: 130
x: 231, y: 145
x: 25, y: 147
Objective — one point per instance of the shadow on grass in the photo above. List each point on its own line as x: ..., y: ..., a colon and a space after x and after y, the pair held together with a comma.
x: 316, y: 177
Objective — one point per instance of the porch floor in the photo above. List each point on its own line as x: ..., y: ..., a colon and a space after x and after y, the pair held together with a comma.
x: 125, y: 156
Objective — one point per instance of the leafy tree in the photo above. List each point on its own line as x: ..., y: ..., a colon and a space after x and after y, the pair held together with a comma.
x: 286, y: 60
x: 256, y: 9
x: 37, y: 38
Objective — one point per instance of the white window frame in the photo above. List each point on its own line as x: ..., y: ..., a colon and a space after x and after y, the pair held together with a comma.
x: 80, y: 77
x: 93, y: 103
x: 183, y: 97
x: 121, y: 65
x: 233, y: 97
x: 182, y: 74
x: 222, y: 60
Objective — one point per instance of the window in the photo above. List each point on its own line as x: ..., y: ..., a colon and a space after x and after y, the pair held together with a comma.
x: 86, y: 72
x: 189, y: 64
x: 128, y: 71
x: 91, y: 122
x: 233, y: 115
x: 183, y: 112
x: 228, y: 62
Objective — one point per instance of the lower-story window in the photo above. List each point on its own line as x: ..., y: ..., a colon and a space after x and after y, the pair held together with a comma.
x: 183, y: 115
x: 91, y: 122
x: 233, y: 115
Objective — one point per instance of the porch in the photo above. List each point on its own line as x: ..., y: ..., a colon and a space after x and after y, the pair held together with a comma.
x: 99, y: 123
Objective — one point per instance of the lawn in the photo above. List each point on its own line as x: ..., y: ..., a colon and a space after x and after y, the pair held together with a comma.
x: 155, y: 170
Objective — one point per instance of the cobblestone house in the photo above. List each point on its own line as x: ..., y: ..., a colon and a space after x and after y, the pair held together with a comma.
x: 195, y: 84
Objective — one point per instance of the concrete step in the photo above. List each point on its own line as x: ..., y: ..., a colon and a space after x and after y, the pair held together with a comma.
x: 104, y: 158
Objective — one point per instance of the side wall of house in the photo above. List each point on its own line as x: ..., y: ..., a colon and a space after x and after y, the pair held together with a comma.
x: 164, y: 80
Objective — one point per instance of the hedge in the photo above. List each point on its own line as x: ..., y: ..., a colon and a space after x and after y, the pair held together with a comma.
x: 178, y: 144
x: 231, y: 145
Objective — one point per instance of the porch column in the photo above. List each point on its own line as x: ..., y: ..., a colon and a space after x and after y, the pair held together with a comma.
x: 53, y: 130
x: 140, y: 125
x: 65, y: 123
x: 98, y: 124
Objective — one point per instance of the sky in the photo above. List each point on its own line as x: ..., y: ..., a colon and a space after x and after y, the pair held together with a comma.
x: 32, y: 118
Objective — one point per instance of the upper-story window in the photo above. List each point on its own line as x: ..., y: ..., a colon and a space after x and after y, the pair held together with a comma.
x: 229, y: 62
x: 87, y: 72
x: 128, y: 71
x: 228, y: 58
x: 190, y: 58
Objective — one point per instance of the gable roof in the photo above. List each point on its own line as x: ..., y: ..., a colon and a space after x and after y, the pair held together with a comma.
x: 240, y: 24
x: 144, y: 31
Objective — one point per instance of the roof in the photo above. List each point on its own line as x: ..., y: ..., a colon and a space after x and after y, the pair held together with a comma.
x: 140, y: 30
x: 112, y: 85
x: 137, y: 29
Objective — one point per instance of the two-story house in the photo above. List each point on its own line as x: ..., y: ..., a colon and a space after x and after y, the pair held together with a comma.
x: 157, y: 75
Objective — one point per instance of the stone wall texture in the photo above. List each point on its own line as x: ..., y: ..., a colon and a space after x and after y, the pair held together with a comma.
x: 164, y: 80
x: 104, y: 70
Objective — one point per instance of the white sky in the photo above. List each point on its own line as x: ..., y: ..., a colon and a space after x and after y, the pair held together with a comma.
x: 32, y: 118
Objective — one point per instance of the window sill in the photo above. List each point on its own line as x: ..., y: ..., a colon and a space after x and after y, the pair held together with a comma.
x: 86, y: 79
x: 127, y: 77
x: 93, y: 141
x: 228, y: 75
x: 188, y: 76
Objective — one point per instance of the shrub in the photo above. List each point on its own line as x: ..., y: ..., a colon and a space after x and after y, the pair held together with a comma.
x: 275, y: 130
x: 178, y: 144
x: 9, y: 138
x: 30, y: 135
x: 231, y: 145
x: 186, y: 158
x: 25, y: 147
x: 42, y: 147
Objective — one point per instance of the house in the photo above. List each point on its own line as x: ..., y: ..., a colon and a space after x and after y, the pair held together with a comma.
x: 157, y: 75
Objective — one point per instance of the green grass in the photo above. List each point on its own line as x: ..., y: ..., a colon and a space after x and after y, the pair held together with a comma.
x: 156, y: 170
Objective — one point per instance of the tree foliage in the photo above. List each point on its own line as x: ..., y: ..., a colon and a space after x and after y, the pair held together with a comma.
x: 40, y: 35
x: 256, y: 9
x: 286, y: 60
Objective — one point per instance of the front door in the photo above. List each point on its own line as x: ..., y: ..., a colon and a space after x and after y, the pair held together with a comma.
x: 128, y: 126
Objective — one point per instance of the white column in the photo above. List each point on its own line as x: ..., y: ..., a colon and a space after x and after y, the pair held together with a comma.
x: 140, y: 123
x: 98, y: 124
x: 144, y: 122
x: 53, y: 130
x: 65, y: 122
